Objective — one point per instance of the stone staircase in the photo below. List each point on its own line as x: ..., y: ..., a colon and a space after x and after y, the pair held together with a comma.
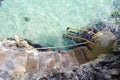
x: 62, y: 59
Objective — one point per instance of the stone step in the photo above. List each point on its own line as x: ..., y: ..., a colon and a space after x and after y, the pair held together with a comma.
x: 83, y: 54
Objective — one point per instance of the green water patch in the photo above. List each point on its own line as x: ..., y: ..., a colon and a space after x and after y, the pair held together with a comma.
x: 44, y: 21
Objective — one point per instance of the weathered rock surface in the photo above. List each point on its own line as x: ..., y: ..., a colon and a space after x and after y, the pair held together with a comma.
x: 106, y: 69
x: 20, y: 61
x: 104, y: 44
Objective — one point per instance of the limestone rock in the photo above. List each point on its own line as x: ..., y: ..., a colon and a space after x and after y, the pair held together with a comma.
x: 104, y: 44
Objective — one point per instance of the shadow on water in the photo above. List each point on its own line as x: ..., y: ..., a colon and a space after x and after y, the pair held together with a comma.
x: 29, y: 42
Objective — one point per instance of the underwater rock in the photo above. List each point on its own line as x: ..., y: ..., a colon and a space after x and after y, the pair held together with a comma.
x: 26, y: 19
x: 115, y: 14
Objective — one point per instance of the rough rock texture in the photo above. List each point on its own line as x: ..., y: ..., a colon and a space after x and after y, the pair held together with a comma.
x: 17, y: 59
x: 104, y: 43
x: 106, y: 69
x: 20, y: 61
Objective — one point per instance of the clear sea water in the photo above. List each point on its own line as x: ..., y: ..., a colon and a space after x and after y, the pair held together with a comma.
x: 44, y: 21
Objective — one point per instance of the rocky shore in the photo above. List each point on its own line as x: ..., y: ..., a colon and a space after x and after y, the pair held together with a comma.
x: 20, y: 60
x: 106, y: 67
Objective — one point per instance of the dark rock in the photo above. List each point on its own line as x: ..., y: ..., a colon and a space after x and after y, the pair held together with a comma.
x: 103, y: 63
x: 100, y: 25
x: 44, y: 78
x: 115, y: 65
x: 107, y: 26
x: 116, y: 77
x: 26, y: 19
x: 116, y: 53
x: 33, y: 44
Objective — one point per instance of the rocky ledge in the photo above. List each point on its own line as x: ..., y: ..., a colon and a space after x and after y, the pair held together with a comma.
x: 106, y: 67
x: 18, y: 63
x: 19, y: 60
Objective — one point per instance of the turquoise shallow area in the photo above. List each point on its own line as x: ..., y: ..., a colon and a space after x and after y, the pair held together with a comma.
x: 44, y: 21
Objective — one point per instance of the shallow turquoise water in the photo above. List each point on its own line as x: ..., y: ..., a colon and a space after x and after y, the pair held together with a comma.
x: 44, y: 21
